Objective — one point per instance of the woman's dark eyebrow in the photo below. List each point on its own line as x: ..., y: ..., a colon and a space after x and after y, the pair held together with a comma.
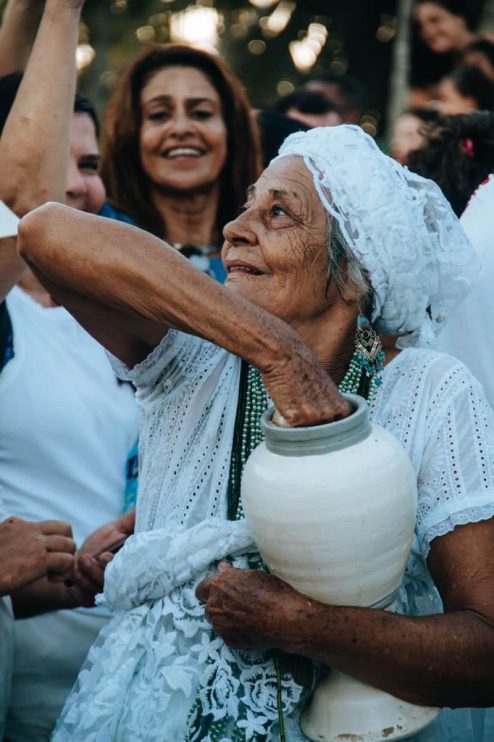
x: 189, y: 101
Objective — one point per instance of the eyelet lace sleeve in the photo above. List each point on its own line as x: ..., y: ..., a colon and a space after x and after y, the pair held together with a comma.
x: 456, y: 479
x: 439, y: 413
x: 174, y: 346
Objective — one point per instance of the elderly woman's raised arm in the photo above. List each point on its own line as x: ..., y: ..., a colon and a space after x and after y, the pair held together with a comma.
x: 128, y: 287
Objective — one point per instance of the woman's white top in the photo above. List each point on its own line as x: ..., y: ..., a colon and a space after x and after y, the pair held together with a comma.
x: 6, y: 648
x: 468, y: 331
x: 6, y: 656
x: 66, y: 427
x: 144, y: 672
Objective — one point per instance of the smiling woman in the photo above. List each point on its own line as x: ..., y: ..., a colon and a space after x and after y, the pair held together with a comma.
x: 181, y: 146
x: 443, y: 29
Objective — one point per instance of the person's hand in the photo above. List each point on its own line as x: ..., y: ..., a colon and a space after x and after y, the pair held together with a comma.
x: 29, y: 551
x: 302, y: 391
x: 89, y: 570
x: 248, y: 608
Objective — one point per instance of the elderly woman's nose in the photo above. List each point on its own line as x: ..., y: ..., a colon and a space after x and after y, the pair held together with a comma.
x: 239, y: 232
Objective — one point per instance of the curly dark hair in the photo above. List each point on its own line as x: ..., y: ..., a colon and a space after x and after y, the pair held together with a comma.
x: 470, y: 82
x: 458, y: 155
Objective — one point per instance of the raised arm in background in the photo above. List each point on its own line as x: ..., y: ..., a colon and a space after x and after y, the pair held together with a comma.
x: 34, y: 148
x: 19, y: 23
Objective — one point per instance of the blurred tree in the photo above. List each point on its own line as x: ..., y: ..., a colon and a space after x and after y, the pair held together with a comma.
x: 358, y: 42
x: 487, y: 22
x: 400, y: 72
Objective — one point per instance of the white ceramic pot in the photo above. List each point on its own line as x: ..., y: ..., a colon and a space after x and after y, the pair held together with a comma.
x: 332, y: 511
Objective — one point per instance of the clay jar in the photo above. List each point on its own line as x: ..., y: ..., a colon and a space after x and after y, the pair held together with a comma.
x: 332, y: 511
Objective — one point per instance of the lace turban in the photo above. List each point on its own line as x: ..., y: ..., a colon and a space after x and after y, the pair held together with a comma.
x: 399, y: 227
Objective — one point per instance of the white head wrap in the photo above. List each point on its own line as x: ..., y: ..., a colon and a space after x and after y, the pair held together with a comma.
x: 398, y: 225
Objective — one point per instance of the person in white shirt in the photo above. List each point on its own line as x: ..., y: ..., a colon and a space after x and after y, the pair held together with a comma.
x: 67, y: 423
x: 28, y: 552
x: 468, y: 331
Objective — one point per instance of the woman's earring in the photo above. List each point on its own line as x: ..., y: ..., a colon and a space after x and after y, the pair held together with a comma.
x: 369, y: 349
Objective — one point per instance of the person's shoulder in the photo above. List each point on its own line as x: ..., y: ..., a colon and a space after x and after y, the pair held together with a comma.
x: 439, y: 375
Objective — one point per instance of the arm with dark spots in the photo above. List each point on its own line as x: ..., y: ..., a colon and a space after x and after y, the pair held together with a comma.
x: 439, y: 660
x: 127, y: 287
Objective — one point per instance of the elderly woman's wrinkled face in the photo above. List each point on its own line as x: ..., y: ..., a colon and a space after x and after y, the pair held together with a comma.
x: 276, y: 251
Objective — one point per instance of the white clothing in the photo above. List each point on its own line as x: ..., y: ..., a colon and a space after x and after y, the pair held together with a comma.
x: 66, y: 428
x: 6, y: 649
x: 398, y: 225
x: 6, y: 656
x: 157, y: 654
x: 468, y: 331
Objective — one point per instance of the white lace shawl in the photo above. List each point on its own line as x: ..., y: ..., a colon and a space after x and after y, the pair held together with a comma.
x: 149, y: 663
x: 398, y: 225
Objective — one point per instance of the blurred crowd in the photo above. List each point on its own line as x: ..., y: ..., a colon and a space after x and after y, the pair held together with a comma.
x: 177, y: 149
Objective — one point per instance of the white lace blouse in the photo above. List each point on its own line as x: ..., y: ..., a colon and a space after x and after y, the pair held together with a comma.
x: 143, y: 674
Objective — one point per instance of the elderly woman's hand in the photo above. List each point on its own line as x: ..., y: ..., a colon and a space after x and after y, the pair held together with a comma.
x: 303, y: 392
x: 248, y: 608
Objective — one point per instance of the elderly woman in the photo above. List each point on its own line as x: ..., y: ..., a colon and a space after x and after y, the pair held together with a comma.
x: 332, y: 231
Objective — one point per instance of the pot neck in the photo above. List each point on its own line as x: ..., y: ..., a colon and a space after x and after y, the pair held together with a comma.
x: 319, y: 439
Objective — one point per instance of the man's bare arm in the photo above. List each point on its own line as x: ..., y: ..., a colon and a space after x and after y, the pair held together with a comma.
x: 34, y: 147
x: 11, y: 265
x: 19, y: 23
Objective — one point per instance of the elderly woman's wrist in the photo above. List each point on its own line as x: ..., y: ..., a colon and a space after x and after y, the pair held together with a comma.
x: 298, y: 620
x: 280, y: 346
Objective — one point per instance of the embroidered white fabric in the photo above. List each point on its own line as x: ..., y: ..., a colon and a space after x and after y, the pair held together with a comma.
x: 157, y: 655
x: 398, y: 225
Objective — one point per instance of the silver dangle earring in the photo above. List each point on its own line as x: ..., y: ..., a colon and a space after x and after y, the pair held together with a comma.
x: 366, y: 364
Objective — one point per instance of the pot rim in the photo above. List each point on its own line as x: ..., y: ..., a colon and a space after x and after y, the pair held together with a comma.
x: 319, y: 439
